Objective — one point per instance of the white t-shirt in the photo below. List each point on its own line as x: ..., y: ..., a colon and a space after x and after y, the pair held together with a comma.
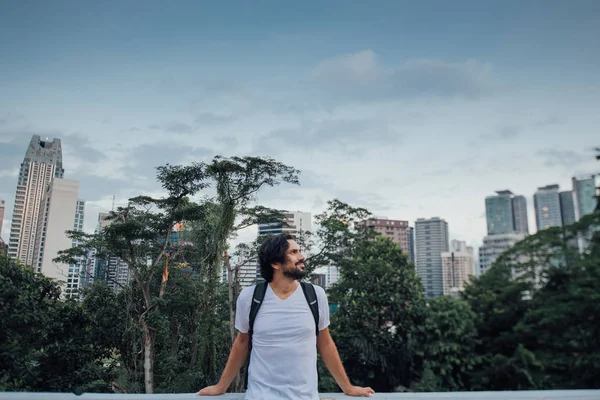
x: 283, y: 363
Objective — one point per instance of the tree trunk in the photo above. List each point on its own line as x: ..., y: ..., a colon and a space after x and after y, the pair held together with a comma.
x: 148, y: 358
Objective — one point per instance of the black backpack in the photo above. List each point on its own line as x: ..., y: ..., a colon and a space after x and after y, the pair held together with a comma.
x: 257, y: 299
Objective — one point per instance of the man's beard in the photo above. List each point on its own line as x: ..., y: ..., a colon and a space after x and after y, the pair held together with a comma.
x: 295, y: 272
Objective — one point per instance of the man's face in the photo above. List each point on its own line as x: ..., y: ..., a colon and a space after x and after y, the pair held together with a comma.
x: 294, y: 264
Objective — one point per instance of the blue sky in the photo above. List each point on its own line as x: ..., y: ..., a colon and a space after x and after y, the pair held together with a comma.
x: 411, y: 110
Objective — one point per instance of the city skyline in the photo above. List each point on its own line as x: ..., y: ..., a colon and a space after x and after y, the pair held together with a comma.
x: 395, y: 109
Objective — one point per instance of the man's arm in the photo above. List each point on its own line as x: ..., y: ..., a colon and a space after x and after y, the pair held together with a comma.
x: 331, y: 357
x: 237, y: 357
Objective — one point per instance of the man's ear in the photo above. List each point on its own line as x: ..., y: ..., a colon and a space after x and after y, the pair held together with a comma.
x: 276, y: 266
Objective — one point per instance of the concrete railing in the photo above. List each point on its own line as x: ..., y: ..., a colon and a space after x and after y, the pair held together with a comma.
x: 508, y: 395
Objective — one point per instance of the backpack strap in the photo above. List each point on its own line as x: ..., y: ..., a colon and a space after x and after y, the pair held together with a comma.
x: 257, y: 298
x: 311, y: 298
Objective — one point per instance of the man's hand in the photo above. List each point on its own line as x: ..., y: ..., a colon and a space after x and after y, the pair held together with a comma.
x: 358, y: 391
x: 215, y: 390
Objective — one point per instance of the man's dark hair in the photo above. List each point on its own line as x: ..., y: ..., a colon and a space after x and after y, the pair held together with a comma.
x: 272, y: 252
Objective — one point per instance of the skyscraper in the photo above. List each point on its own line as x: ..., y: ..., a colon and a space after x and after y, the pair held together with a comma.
x: 584, y: 195
x: 547, y: 207
x: 41, y: 164
x: 431, y: 240
x: 397, y: 231
x: 520, y: 222
x: 567, y: 207
x: 60, y: 211
x: 506, y: 213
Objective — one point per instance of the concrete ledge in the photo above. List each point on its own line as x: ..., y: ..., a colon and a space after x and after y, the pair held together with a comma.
x: 508, y: 395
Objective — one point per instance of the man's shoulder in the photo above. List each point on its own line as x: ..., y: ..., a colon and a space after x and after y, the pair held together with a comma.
x: 247, y: 293
x: 320, y: 292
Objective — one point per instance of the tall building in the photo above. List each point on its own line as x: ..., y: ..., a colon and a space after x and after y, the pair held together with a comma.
x: 431, y: 240
x: 506, y: 213
x: 2, y: 208
x: 457, y: 265
x: 41, y: 164
x: 397, y: 231
x: 547, y: 207
x: 60, y: 211
x: 494, y: 245
x: 567, y: 207
x: 520, y: 221
x: 584, y: 195
x: 411, y: 244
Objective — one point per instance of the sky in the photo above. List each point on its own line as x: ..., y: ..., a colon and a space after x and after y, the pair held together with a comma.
x: 409, y: 109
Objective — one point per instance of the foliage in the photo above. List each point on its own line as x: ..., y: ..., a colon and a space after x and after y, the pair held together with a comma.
x: 47, y: 344
x: 379, y: 297
x: 446, y: 345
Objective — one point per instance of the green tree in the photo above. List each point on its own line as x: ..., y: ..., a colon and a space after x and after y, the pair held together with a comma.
x: 141, y: 234
x: 47, y: 344
x: 380, y: 303
x: 446, y: 345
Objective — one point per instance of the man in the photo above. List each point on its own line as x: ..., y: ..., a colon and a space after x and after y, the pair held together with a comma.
x: 283, y: 363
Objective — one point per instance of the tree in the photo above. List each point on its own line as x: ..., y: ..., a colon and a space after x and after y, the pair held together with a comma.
x: 446, y: 345
x: 562, y: 327
x: 379, y: 297
x: 141, y: 235
x: 47, y: 344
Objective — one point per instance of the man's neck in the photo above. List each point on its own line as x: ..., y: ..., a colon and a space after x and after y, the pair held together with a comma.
x: 283, y: 286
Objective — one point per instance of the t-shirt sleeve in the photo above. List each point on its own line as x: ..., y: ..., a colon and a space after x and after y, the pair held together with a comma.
x: 323, y: 308
x: 242, y: 311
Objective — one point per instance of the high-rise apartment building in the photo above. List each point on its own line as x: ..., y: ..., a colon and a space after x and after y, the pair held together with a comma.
x: 41, y: 164
x: 457, y: 265
x: 494, y: 245
x: 398, y: 231
x: 584, y: 195
x: 567, y: 208
x: 506, y: 213
x: 520, y: 221
x: 431, y: 240
x: 60, y: 211
x: 547, y: 207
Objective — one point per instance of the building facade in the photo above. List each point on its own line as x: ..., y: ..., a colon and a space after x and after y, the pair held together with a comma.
x: 547, y: 207
x: 458, y: 265
x: 41, y: 164
x: 506, y: 213
x: 584, y: 195
x: 494, y: 245
x: 567, y: 207
x: 431, y: 240
x: 396, y: 230
x: 61, y: 210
